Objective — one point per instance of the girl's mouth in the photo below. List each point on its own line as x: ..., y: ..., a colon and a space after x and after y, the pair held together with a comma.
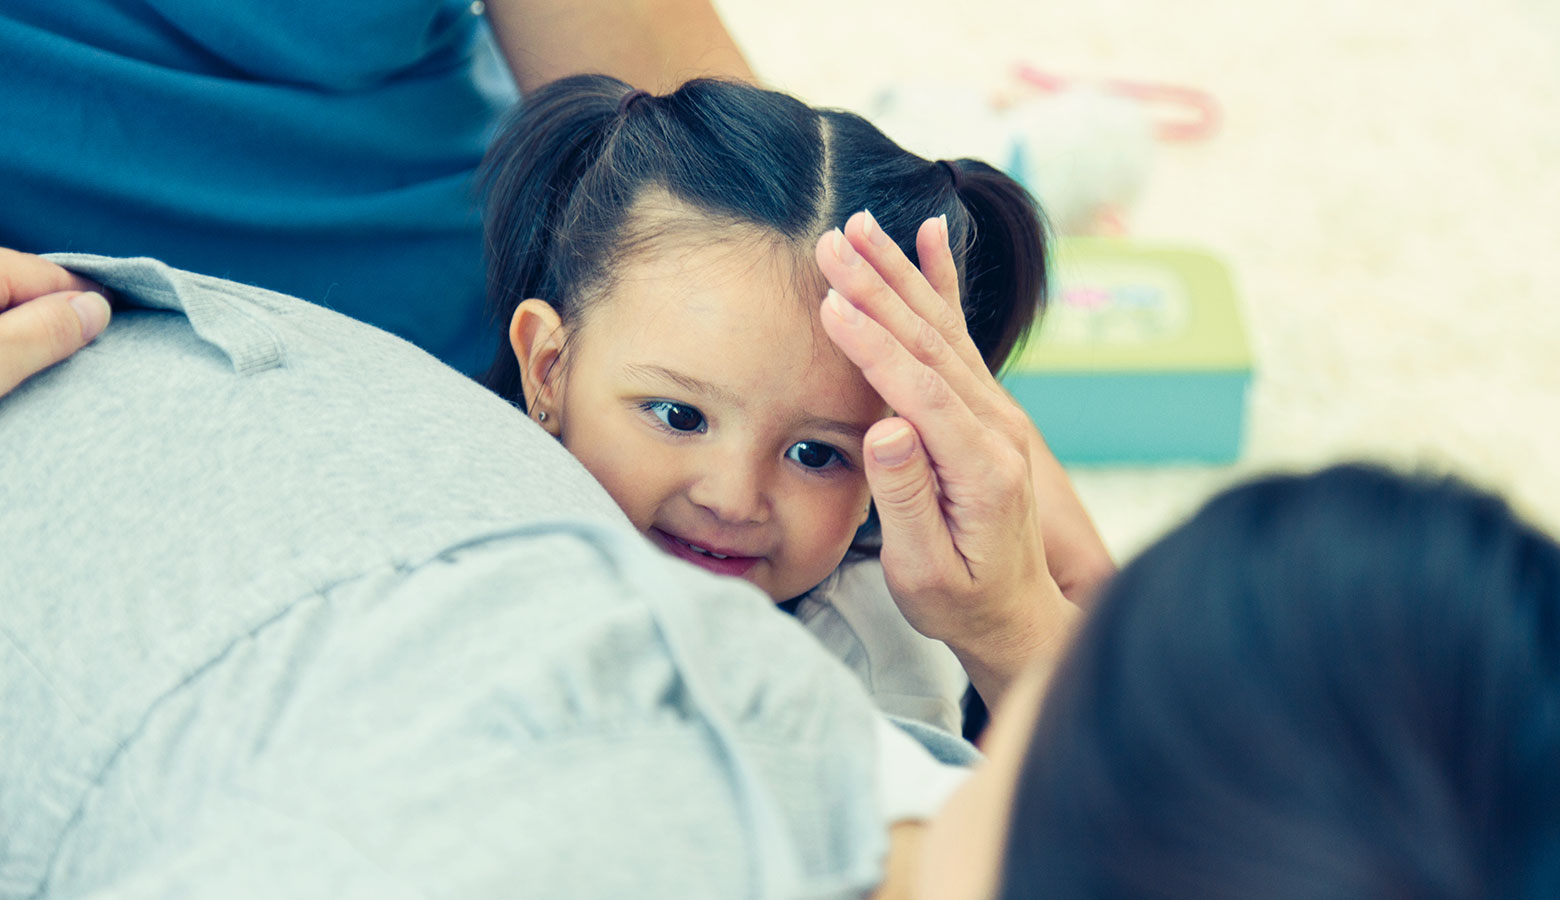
x: 705, y: 558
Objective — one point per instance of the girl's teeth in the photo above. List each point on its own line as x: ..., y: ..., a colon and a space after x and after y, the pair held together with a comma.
x: 707, y: 552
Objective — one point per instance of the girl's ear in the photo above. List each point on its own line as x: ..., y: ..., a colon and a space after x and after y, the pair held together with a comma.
x: 537, y: 336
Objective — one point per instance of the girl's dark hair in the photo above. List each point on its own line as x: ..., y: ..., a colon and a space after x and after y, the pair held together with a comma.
x: 1342, y: 685
x: 564, y: 173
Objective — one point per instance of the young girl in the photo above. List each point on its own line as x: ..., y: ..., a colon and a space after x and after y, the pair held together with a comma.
x: 658, y: 259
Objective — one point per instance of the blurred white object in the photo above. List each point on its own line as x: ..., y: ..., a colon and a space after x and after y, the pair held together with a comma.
x: 1085, y: 150
x: 1086, y: 155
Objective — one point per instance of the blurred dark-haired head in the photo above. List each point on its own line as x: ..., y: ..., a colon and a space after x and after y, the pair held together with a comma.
x: 1341, y: 685
x: 578, y: 181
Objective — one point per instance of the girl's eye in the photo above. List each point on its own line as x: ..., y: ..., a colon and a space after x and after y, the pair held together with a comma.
x: 676, y: 416
x: 814, y: 455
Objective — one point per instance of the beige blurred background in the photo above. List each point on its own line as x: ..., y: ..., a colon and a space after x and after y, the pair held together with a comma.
x: 1385, y: 188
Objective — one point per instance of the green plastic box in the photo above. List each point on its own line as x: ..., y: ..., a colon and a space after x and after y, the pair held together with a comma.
x: 1141, y: 357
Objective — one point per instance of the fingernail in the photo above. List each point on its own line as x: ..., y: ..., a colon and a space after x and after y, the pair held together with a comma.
x: 843, y: 251
x: 842, y: 307
x: 893, y: 449
x: 943, y: 224
x: 875, y: 233
x: 92, y: 309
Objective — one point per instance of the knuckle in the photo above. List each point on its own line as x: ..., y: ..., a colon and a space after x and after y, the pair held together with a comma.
x: 1013, y: 421
x: 1008, y: 471
x: 1013, y: 464
x: 926, y: 343
x: 57, y: 329
x: 951, y: 322
x: 901, y: 493
x: 933, y: 389
x: 882, y: 346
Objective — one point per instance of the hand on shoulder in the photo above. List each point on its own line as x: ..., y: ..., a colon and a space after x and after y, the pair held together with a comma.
x: 46, y: 314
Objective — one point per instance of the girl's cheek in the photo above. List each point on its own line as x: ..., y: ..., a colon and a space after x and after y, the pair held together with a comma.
x: 850, y: 511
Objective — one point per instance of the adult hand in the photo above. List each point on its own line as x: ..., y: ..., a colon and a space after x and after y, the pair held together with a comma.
x: 953, y: 473
x: 46, y: 314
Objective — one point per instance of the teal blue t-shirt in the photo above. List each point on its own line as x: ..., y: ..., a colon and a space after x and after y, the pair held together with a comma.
x: 323, y: 150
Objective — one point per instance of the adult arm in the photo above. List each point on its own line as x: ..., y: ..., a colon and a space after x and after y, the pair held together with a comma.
x: 954, y: 474
x: 652, y: 44
x: 1074, y: 551
x: 46, y: 314
x: 899, y: 868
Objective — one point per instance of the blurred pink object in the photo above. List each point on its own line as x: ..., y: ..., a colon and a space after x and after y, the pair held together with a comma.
x: 1178, y: 113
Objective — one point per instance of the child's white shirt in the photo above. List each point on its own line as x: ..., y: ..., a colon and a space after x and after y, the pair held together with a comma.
x: 909, y: 675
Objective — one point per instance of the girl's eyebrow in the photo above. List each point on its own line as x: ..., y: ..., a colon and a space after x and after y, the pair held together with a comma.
x: 856, y: 433
x: 688, y: 383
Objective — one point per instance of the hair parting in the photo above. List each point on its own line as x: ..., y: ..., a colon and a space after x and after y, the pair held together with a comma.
x: 565, y: 177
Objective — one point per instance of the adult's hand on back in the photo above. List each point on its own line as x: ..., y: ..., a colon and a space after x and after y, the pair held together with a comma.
x: 46, y: 314
x: 952, y: 473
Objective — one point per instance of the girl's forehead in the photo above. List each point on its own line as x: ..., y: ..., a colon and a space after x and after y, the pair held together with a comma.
x: 727, y: 274
x: 732, y: 312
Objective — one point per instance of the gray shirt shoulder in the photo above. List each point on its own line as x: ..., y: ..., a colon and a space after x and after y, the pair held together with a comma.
x: 290, y: 607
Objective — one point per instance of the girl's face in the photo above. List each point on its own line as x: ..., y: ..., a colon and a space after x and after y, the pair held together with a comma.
x: 703, y: 394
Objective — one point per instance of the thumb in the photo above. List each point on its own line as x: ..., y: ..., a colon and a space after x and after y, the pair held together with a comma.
x: 40, y: 332
x: 904, y: 489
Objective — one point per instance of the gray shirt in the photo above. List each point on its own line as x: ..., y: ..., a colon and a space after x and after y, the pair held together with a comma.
x: 287, y: 608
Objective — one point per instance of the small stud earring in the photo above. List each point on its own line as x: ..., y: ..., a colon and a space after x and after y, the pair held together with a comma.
x: 541, y: 416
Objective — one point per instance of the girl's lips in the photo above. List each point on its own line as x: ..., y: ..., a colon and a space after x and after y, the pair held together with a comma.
x: 734, y: 566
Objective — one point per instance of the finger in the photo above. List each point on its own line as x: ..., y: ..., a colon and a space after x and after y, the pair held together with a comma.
x: 932, y: 291
x: 24, y: 276
x: 904, y: 492
x: 850, y: 274
x: 927, y: 299
x: 936, y: 257
x: 914, y: 390
x: 41, y: 332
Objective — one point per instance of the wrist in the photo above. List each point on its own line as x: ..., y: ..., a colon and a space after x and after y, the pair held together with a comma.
x: 1038, y: 633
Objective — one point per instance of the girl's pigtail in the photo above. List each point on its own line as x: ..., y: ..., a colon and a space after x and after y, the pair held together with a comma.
x: 542, y: 151
x: 1006, y: 259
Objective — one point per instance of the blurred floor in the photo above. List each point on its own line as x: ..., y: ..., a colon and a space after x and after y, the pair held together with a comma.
x: 1386, y: 189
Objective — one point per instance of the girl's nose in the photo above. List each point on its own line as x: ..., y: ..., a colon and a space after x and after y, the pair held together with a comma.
x: 732, y: 489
